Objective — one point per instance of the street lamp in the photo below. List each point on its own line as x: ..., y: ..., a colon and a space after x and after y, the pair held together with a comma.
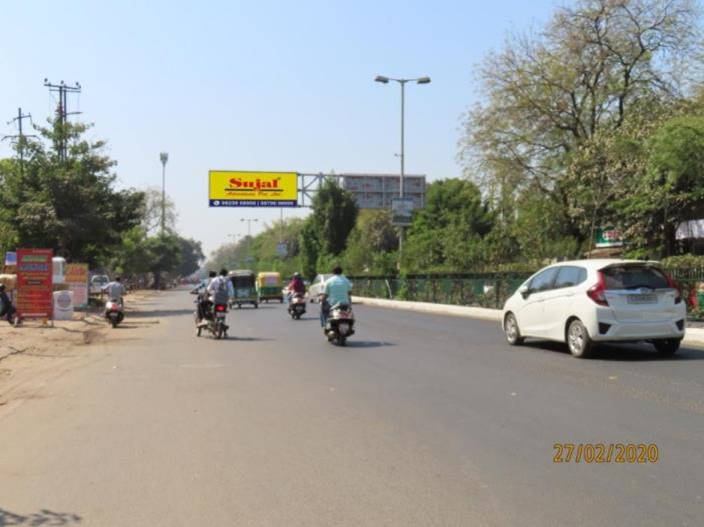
x: 385, y: 80
x: 163, y: 157
x: 249, y: 224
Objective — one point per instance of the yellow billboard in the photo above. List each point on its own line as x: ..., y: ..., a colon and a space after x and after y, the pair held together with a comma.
x: 228, y: 188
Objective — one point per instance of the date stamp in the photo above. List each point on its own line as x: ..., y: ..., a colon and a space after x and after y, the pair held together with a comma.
x: 605, y: 453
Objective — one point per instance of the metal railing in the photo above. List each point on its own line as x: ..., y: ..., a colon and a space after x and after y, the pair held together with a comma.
x: 492, y: 289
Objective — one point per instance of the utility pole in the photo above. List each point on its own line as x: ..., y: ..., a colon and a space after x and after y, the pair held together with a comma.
x: 249, y: 234
x: 163, y: 157
x: 63, y: 89
x: 20, y: 136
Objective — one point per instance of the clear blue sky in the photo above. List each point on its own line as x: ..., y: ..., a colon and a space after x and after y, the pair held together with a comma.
x: 256, y: 85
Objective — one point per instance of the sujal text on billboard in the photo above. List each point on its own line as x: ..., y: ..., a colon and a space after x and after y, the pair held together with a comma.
x: 228, y: 188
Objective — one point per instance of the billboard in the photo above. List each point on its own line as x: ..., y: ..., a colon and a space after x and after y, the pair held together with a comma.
x: 376, y: 191
x: 77, y: 279
x: 607, y: 237
x: 227, y: 188
x: 34, y: 283
x: 402, y: 211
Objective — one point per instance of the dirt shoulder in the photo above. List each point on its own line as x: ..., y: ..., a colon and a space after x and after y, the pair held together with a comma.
x: 32, y: 355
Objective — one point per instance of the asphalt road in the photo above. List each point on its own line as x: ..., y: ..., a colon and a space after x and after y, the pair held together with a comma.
x: 421, y: 420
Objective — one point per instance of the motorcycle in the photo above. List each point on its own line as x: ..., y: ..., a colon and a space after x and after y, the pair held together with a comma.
x: 114, y: 311
x: 297, y: 306
x: 214, y: 320
x: 339, y: 324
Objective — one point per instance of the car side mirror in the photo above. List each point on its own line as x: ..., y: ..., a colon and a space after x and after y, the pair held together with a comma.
x: 524, y: 290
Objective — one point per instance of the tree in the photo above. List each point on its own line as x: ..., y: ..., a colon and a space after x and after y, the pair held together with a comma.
x: 69, y: 205
x: 579, y: 78
x: 372, y: 243
x: 448, y: 232
x: 190, y: 258
x: 151, y: 217
x: 334, y: 216
x: 672, y: 190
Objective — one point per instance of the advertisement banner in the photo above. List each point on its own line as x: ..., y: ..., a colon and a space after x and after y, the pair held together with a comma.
x: 252, y: 189
x: 34, y: 283
x: 607, y: 237
x: 77, y: 279
x: 402, y: 211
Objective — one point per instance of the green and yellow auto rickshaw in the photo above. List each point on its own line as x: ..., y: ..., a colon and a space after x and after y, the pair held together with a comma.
x: 245, y: 287
x: 269, y: 287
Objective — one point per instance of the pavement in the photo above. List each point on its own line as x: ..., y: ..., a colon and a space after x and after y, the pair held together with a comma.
x: 694, y: 336
x: 421, y: 420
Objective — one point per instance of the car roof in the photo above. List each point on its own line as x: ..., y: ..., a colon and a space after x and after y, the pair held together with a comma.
x: 600, y: 263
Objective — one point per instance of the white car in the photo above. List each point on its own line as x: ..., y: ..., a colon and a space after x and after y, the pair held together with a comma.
x: 316, y: 288
x: 97, y: 282
x: 589, y: 301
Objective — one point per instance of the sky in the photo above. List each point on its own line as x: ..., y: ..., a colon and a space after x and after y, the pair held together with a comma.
x: 254, y: 85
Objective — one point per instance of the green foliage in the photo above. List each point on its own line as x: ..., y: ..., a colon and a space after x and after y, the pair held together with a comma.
x: 68, y: 205
x: 333, y: 218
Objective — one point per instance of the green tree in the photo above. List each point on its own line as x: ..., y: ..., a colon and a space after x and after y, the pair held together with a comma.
x: 577, y: 81
x: 69, y: 205
x: 190, y: 258
x: 372, y: 243
x: 334, y: 216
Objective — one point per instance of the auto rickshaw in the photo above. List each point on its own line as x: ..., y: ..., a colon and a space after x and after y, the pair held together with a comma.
x: 269, y: 287
x: 244, y: 285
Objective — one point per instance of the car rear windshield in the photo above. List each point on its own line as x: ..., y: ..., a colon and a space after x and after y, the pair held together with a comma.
x: 634, y: 277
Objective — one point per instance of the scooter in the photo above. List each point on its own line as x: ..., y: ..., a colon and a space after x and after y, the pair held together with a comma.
x: 297, y: 306
x: 114, y: 311
x: 339, y: 324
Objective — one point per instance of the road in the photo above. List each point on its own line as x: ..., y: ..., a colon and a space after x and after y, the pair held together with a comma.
x: 421, y: 420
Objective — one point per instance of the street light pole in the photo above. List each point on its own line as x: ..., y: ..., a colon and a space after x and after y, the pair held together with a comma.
x: 163, y: 157
x: 402, y: 82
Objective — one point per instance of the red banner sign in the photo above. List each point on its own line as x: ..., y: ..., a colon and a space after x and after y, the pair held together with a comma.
x: 34, y: 283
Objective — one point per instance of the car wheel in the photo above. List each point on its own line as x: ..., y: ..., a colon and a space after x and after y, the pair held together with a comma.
x: 578, y: 340
x: 667, y: 347
x: 513, y: 334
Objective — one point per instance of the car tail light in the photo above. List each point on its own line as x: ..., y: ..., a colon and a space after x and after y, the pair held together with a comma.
x: 598, y: 290
x: 114, y: 307
x: 674, y: 285
x: 220, y: 307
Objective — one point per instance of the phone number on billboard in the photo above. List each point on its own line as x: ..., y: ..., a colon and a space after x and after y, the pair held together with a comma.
x: 250, y: 203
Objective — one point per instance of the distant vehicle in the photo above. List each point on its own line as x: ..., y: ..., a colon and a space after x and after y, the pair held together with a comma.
x: 317, y: 287
x: 585, y: 302
x: 269, y: 287
x: 97, y: 282
x: 245, y: 288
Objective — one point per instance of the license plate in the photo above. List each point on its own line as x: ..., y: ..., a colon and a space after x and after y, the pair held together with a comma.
x: 220, y: 315
x: 649, y: 298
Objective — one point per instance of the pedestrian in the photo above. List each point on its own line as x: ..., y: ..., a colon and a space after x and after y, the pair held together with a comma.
x: 7, y: 310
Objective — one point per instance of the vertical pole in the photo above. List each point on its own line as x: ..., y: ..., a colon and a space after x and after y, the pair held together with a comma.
x: 21, y: 145
x: 163, y: 196
x: 403, y: 166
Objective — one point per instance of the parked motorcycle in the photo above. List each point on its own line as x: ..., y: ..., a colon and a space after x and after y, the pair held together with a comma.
x: 114, y: 311
x: 339, y: 324
x: 214, y: 320
x: 297, y: 306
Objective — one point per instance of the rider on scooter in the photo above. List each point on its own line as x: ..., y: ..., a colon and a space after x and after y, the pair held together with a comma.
x: 335, y: 291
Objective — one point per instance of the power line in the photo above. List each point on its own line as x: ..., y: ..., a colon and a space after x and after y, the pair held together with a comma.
x: 62, y: 112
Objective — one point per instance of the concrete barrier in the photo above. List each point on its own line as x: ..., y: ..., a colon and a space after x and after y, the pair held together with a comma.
x: 437, y: 309
x: 693, y: 336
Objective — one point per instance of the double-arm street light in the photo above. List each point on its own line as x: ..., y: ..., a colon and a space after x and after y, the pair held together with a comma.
x: 402, y: 82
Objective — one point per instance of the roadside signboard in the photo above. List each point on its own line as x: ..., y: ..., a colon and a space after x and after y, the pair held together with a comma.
x: 377, y: 191
x: 608, y: 237
x: 402, y: 211
x: 10, y: 258
x: 228, y: 188
x: 77, y: 279
x: 34, y: 283
x: 282, y: 249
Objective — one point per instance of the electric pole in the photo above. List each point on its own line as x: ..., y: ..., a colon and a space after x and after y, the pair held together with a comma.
x: 20, y: 136
x: 63, y: 89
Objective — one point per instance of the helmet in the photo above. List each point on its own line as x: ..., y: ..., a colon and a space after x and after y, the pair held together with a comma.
x: 296, y: 275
